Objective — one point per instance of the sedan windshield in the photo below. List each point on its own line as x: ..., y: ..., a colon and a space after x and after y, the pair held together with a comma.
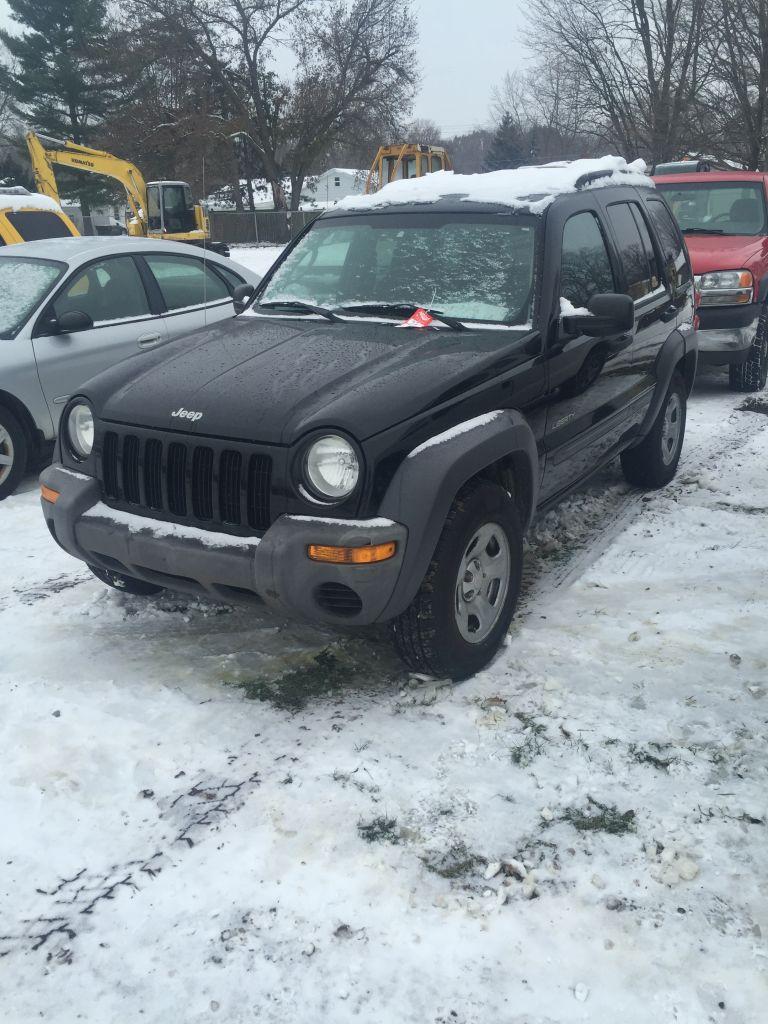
x: 24, y: 283
x: 471, y: 267
x: 718, y: 208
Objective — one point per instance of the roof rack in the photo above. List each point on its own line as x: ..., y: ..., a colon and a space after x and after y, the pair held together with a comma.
x: 606, y: 172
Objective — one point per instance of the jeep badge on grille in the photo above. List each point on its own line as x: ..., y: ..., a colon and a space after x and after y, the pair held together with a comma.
x: 187, y: 414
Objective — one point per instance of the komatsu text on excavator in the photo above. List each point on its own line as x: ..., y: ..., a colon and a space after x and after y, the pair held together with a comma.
x: 161, y: 209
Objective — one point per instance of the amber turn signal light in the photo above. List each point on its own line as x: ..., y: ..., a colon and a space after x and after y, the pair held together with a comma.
x: 48, y: 494
x: 365, y: 555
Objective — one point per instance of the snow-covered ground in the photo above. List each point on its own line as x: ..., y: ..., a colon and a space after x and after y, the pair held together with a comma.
x: 258, y: 258
x: 213, y: 814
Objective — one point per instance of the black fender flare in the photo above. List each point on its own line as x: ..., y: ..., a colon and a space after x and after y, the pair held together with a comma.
x: 423, y: 489
x: 675, y: 349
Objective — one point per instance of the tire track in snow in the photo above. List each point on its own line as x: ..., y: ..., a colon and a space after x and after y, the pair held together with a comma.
x: 64, y: 908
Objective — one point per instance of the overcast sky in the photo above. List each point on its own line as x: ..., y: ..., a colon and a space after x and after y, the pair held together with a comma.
x: 465, y: 48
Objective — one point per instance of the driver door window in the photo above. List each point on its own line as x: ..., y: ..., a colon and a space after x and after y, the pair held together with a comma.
x: 586, y: 267
x: 107, y: 291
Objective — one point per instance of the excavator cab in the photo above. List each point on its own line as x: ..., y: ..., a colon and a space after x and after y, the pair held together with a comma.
x: 170, y: 208
x: 407, y: 160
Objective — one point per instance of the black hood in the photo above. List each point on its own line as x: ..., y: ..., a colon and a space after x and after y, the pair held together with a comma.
x: 272, y: 380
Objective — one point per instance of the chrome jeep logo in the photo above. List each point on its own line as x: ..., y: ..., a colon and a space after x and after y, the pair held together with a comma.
x: 187, y: 414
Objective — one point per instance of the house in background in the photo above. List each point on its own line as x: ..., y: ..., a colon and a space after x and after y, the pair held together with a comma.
x: 337, y: 183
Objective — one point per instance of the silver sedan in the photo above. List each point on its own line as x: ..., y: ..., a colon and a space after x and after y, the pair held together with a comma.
x: 71, y: 307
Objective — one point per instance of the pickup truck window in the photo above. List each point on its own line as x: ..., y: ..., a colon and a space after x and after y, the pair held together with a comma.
x: 476, y: 267
x: 635, y: 247
x: 719, y: 208
x: 24, y: 283
x: 586, y: 266
x: 676, y: 267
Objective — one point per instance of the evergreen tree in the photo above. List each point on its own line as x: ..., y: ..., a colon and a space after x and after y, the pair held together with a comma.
x: 59, y: 75
x: 508, y: 147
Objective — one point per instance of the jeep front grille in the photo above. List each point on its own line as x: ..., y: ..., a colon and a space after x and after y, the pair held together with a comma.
x: 212, y: 484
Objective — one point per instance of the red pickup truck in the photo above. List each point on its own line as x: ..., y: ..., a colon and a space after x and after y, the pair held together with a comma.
x: 724, y: 217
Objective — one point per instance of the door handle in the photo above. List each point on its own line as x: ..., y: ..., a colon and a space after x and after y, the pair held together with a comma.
x: 668, y: 314
x: 148, y: 340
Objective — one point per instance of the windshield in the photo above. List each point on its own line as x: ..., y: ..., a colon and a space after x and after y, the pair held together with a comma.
x: 722, y: 208
x: 24, y: 283
x: 473, y: 267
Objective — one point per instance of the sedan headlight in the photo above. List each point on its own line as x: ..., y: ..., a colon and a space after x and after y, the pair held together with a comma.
x: 331, y: 467
x: 80, y: 430
x: 725, y: 288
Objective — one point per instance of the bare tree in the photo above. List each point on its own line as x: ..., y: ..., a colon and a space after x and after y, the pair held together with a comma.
x: 353, y: 66
x: 733, y: 113
x: 630, y: 70
x: 424, y: 132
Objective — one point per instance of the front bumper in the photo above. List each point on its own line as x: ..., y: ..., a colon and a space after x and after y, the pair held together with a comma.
x: 726, y: 333
x: 274, y: 568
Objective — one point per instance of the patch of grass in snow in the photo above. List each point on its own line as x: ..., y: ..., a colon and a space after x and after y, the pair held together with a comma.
x: 532, y: 743
x: 325, y: 673
x: 455, y: 862
x: 597, y: 817
x: 656, y: 760
x: 380, y: 830
x: 755, y: 403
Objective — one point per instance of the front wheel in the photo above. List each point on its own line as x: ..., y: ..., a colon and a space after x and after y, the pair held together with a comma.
x: 462, y: 611
x: 126, y: 584
x: 653, y: 463
x: 752, y: 375
x: 13, y: 452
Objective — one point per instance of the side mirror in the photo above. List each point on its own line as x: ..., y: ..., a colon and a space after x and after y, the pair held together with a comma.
x: 74, y: 320
x: 241, y: 296
x: 611, y: 313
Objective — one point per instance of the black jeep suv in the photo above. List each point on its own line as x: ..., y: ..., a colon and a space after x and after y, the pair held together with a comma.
x: 414, y: 379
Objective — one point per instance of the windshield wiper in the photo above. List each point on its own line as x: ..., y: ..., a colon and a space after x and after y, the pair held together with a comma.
x: 407, y: 308
x: 303, y: 307
x: 703, y: 231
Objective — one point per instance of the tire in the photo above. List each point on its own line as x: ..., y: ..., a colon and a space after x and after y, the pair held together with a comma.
x: 125, y: 584
x: 653, y: 463
x: 14, y: 452
x: 752, y: 375
x: 450, y: 628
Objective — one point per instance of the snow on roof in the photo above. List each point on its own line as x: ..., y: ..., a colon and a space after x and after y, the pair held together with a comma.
x: 528, y: 188
x: 20, y: 199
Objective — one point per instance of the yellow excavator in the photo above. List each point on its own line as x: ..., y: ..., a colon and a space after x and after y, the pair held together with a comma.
x: 161, y: 209
x: 403, y: 161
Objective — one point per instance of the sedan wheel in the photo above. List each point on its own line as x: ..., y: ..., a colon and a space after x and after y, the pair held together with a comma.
x: 13, y: 452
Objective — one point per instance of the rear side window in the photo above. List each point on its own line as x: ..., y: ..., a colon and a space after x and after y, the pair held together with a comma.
x: 586, y: 267
x: 676, y: 267
x: 108, y: 290
x: 635, y: 249
x: 33, y: 225
x: 185, y: 283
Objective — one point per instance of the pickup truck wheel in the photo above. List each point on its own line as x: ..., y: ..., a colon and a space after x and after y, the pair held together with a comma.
x: 653, y: 463
x: 752, y: 375
x: 464, y: 606
x: 13, y: 452
x: 127, y: 584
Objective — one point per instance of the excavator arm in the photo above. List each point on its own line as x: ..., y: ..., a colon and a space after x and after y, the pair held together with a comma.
x: 46, y: 152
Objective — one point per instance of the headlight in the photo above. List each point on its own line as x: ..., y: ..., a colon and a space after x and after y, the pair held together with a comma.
x: 725, y: 288
x: 332, y: 468
x: 80, y: 430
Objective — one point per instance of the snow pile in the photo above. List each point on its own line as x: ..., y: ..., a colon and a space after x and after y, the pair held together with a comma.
x: 525, y: 188
x: 21, y: 199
